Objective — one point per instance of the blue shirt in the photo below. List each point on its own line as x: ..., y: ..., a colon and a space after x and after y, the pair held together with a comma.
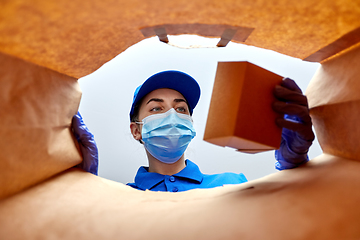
x: 188, y: 178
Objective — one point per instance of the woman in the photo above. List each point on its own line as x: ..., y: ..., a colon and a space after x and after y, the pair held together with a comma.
x: 161, y: 120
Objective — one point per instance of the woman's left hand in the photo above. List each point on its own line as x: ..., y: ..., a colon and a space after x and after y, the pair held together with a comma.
x: 297, y: 134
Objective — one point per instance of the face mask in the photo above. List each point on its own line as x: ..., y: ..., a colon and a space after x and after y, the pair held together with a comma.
x: 167, y: 135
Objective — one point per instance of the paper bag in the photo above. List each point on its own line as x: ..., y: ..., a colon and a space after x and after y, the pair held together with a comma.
x: 36, y: 108
x: 334, y: 102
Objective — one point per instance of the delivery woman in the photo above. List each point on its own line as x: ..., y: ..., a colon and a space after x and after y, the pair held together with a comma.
x: 161, y: 120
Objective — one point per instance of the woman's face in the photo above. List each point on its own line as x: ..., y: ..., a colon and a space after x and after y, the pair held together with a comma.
x: 162, y: 100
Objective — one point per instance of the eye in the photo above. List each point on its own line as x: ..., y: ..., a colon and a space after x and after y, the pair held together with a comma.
x: 155, y: 109
x: 181, y: 109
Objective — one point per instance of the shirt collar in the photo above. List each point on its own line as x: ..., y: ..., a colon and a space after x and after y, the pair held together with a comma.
x: 191, y: 172
x: 147, y: 180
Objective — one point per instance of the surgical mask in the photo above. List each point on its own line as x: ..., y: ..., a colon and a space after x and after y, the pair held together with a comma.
x: 167, y: 135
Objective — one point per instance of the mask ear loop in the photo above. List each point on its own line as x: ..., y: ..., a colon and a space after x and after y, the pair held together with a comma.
x: 140, y: 140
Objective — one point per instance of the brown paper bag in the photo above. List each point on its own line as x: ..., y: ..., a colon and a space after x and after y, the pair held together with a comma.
x: 36, y: 108
x: 334, y: 101
x: 318, y: 201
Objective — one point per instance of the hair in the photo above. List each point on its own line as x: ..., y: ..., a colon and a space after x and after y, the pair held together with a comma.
x: 135, y: 116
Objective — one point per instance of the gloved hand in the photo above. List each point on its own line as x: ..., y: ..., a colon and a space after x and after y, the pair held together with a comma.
x: 87, y: 145
x: 297, y: 135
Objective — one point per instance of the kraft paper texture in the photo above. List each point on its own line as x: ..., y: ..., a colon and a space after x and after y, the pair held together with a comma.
x: 74, y: 38
x: 336, y: 81
x: 334, y: 102
x: 46, y: 45
x: 317, y: 201
x: 36, y: 108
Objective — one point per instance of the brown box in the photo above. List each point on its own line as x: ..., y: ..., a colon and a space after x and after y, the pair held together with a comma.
x: 240, y: 114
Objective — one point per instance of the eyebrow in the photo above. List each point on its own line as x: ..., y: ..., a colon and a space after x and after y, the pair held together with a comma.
x: 161, y: 100
x: 155, y: 100
x: 180, y: 100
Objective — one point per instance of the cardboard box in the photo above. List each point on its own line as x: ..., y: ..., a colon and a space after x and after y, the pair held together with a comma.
x: 240, y: 114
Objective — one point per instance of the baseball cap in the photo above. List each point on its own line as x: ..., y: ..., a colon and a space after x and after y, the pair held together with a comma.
x: 176, y: 80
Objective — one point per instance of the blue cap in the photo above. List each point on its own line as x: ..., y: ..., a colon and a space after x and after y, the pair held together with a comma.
x: 179, y: 81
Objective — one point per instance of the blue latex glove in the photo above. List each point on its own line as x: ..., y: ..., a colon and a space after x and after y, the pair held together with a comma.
x: 87, y: 145
x: 297, y: 135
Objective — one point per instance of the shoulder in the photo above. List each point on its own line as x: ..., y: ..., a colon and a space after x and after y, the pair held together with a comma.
x: 224, y: 178
x: 133, y: 185
x: 213, y: 180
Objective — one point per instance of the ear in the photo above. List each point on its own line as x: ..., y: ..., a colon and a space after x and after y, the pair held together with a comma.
x: 135, y: 130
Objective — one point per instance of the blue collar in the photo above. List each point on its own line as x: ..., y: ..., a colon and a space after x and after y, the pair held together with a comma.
x: 147, y: 180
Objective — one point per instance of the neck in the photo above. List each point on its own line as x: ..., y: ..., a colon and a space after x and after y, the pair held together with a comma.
x: 164, y: 168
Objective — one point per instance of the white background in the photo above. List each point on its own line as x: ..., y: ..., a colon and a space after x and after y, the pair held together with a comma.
x: 108, y: 94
